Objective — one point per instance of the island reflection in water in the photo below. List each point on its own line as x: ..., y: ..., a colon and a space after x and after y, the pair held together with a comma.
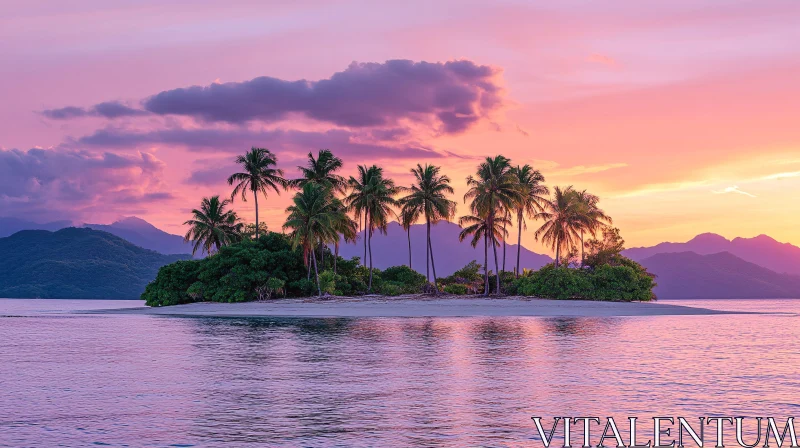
x: 140, y: 380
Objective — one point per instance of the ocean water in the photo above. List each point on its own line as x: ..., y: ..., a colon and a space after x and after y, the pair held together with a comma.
x: 88, y: 380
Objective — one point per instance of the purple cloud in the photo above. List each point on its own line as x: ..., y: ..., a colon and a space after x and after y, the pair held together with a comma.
x: 108, y: 109
x: 342, y: 142
x: 47, y: 183
x: 450, y: 96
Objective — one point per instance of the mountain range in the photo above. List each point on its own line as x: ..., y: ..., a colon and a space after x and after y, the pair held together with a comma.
x: 708, y: 266
x: 76, y: 263
x: 449, y: 254
x: 761, y: 250
x: 688, y: 275
x: 143, y: 234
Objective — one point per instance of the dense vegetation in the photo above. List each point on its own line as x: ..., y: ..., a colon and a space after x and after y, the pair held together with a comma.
x: 75, y: 263
x: 328, y: 208
x: 272, y: 267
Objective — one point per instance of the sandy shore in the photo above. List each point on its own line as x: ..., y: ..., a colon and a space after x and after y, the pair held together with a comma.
x: 377, y: 306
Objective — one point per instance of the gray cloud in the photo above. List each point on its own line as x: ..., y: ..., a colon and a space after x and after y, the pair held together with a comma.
x: 108, y: 109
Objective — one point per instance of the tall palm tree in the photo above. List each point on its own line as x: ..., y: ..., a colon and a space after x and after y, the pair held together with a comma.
x: 258, y: 176
x: 493, y: 191
x: 563, y: 217
x: 357, y: 200
x: 372, y: 196
x: 312, y: 220
x: 212, y: 227
x: 407, y: 218
x: 594, y: 217
x: 533, y: 191
x: 428, y: 197
x: 322, y: 171
x: 480, y: 228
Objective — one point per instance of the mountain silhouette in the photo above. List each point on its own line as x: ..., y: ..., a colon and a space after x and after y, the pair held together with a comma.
x: 761, y: 250
x: 688, y: 275
x: 449, y: 254
x: 143, y: 234
x: 10, y: 226
x: 76, y: 263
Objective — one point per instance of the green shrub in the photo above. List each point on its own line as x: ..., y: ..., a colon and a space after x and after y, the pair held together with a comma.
x: 327, y: 282
x: 391, y: 288
x: 409, y: 280
x: 456, y: 289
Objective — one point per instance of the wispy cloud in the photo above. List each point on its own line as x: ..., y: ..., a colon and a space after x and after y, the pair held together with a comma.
x: 583, y: 169
x: 782, y: 175
x: 733, y: 189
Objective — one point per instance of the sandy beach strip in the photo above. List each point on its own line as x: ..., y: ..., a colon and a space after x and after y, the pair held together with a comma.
x: 378, y: 306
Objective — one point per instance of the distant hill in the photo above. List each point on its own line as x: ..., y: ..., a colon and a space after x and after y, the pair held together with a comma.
x: 687, y: 275
x: 146, y: 235
x: 76, y: 263
x: 761, y: 250
x: 449, y: 254
x: 10, y: 226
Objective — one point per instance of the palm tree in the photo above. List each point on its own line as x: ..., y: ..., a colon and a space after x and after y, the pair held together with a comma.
x: 478, y: 227
x: 322, y: 171
x: 563, y: 217
x: 312, y: 219
x: 372, y: 196
x: 531, y: 184
x: 594, y: 217
x: 428, y: 197
x: 212, y: 227
x: 258, y: 176
x: 494, y: 191
x: 407, y: 218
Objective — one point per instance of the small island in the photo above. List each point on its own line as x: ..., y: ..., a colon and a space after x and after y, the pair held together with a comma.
x: 248, y: 263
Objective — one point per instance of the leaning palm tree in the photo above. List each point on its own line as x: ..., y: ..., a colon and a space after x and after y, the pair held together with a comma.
x: 594, y: 217
x: 479, y: 228
x: 533, y: 191
x: 372, y: 196
x: 493, y: 191
x: 322, y: 171
x: 212, y: 227
x: 563, y: 217
x: 428, y: 197
x: 312, y: 220
x: 258, y: 176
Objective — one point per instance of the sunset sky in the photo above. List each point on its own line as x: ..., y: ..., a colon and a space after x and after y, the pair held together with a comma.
x: 683, y: 116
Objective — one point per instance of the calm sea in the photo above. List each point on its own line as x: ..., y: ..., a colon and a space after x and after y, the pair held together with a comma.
x: 77, y: 380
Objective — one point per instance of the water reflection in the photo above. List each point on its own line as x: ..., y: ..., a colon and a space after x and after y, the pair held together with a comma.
x: 377, y: 382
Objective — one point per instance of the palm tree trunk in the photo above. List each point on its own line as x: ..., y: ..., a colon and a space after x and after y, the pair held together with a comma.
x: 308, y: 264
x: 433, y: 265
x: 427, y: 260
x: 255, y: 195
x: 496, y: 266
x: 519, y: 239
x: 365, y: 237
x: 322, y: 255
x: 485, y: 264
x: 504, y: 246
x: 558, y: 247
x: 316, y: 272
x: 336, y: 257
x: 408, y: 232
x: 581, y: 248
x: 369, y: 230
